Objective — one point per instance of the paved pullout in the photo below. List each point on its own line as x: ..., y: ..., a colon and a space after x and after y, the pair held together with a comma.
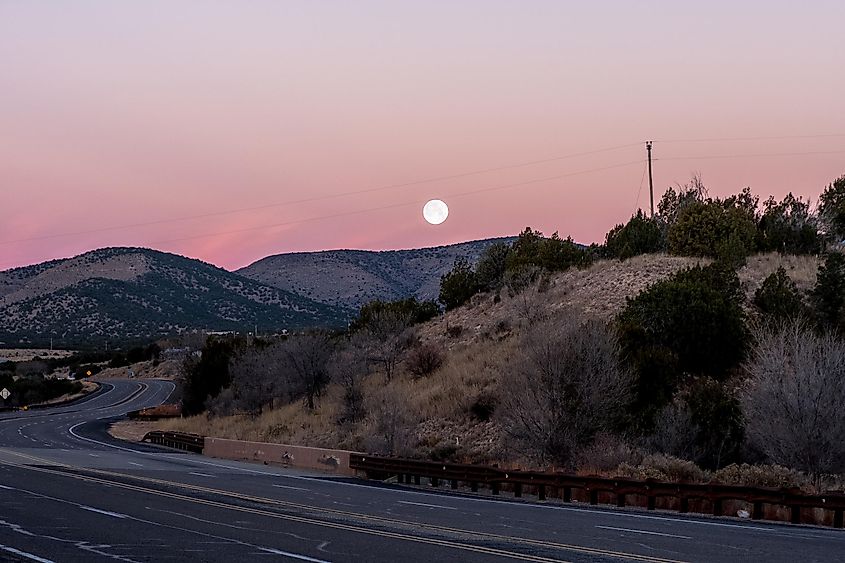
x: 70, y: 492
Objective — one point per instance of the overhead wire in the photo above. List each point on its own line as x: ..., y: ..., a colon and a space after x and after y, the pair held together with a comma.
x: 321, y: 198
x: 397, y: 205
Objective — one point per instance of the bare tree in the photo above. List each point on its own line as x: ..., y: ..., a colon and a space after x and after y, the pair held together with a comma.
x: 793, y: 401
x: 259, y: 376
x: 349, y: 367
x: 308, y: 358
x: 566, y: 387
x: 391, y: 421
x: 389, y: 335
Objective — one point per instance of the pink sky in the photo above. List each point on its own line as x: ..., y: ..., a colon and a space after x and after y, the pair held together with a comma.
x: 118, y: 113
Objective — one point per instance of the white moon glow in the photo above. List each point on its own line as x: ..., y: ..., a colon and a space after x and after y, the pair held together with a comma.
x: 435, y: 211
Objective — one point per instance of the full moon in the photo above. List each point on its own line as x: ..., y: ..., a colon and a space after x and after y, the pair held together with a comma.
x: 435, y: 211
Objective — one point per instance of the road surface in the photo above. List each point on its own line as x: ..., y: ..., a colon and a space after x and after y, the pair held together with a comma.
x: 70, y: 492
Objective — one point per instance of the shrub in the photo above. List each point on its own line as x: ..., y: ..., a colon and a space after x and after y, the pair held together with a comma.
x: 757, y: 476
x: 484, y: 405
x: 424, y: 359
x: 568, y: 386
x: 413, y: 311
x: 793, y: 399
x: 664, y: 468
x: 778, y: 298
x: 690, y: 323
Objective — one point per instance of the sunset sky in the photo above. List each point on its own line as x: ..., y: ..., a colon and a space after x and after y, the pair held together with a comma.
x: 232, y: 130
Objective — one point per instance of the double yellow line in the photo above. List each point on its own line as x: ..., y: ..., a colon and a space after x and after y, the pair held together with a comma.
x: 341, y: 513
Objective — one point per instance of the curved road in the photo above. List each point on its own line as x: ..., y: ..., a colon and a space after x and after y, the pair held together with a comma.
x: 70, y: 492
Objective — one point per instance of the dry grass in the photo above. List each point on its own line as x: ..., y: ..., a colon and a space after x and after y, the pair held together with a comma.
x: 802, y: 270
x: 438, y: 409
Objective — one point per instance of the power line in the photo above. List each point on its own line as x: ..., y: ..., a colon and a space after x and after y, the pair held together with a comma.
x: 320, y: 198
x: 720, y: 156
x: 397, y: 205
x: 772, y: 138
x: 640, y: 190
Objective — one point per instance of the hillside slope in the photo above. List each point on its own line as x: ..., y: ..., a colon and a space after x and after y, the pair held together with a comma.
x: 135, y: 293
x: 444, y: 411
x: 351, y: 278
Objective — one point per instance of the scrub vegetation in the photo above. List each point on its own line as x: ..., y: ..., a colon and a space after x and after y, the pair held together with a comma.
x: 703, y: 343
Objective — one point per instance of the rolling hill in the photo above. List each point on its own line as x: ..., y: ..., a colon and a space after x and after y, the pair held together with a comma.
x: 125, y: 294
x: 351, y: 278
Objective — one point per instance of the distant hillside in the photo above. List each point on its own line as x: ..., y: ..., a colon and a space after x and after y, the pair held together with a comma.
x: 351, y: 278
x: 135, y: 293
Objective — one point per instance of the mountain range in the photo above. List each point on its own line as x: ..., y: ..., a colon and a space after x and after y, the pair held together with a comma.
x: 135, y: 294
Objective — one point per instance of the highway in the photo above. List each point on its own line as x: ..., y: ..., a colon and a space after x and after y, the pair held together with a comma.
x: 70, y: 492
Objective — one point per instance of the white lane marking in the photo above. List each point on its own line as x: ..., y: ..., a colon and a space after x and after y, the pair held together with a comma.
x: 738, y: 527
x: 24, y: 554
x: 133, y: 463
x: 93, y: 455
x: 198, y: 474
x: 103, y: 512
x: 289, y: 487
x: 426, y: 505
x: 643, y: 532
x: 291, y: 555
x: 7, y: 488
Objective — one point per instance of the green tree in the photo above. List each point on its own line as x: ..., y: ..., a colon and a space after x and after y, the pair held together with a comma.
x: 778, y: 297
x: 828, y: 295
x: 491, y: 267
x: 788, y: 226
x: 716, y: 415
x: 640, y: 235
x: 692, y: 323
x: 209, y: 374
x: 458, y: 285
x: 552, y: 253
x: 832, y: 208
x: 713, y: 229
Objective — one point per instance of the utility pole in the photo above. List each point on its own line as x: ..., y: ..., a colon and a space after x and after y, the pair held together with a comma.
x: 650, y: 180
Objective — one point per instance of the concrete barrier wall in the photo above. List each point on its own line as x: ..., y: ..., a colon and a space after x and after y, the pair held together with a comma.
x: 299, y: 457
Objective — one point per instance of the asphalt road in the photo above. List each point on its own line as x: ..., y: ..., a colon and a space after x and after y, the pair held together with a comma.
x: 70, y: 492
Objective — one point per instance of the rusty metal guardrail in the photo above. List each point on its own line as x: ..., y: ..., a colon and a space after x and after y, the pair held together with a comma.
x: 618, y: 491
x: 178, y: 440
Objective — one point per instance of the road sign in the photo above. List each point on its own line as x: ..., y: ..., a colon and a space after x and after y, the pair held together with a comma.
x: 5, y: 393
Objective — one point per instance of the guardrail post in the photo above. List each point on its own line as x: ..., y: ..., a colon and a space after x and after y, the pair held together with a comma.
x: 620, y: 499
x: 473, y: 486
x: 796, y: 514
x: 717, y: 507
x: 541, y: 492
x: 757, y: 513
x: 495, y: 488
x: 517, y: 490
x: 837, y: 518
x: 435, y: 482
x: 594, y: 496
x: 454, y: 483
x: 416, y: 479
x: 567, y: 494
x: 684, y: 508
x: 651, y: 502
